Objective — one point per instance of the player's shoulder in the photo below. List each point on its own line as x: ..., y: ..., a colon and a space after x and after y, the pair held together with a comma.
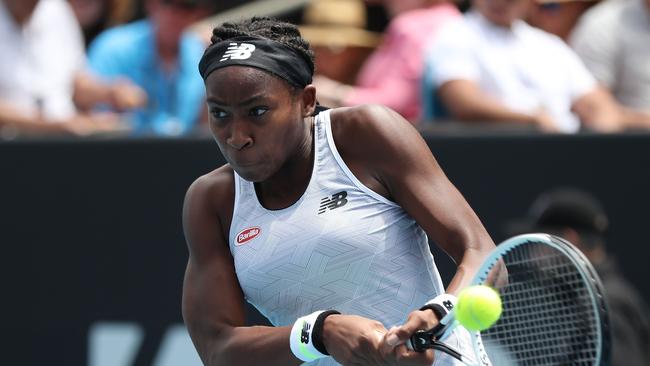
x: 364, y: 118
x: 369, y: 129
x: 214, y: 190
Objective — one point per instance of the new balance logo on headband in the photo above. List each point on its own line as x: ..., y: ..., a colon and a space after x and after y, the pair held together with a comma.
x: 241, y: 51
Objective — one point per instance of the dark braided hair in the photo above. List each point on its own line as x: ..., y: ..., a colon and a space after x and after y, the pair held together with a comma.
x: 265, y: 27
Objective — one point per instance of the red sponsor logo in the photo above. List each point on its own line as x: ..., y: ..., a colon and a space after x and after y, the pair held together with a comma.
x: 247, y: 235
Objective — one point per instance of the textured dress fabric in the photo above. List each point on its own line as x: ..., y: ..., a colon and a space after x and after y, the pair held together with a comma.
x: 340, y: 246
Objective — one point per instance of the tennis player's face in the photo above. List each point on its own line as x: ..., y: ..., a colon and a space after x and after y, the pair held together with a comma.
x: 256, y: 119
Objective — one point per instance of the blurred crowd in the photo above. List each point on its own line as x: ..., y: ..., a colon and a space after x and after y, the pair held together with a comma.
x: 87, y: 67
x: 129, y: 67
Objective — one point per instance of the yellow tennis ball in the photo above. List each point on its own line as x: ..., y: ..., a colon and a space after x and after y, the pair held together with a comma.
x: 478, y: 307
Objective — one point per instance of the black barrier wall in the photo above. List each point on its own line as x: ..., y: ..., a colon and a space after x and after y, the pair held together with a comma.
x: 96, y: 251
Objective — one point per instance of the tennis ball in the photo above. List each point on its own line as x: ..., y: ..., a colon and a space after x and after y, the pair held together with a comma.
x: 478, y: 307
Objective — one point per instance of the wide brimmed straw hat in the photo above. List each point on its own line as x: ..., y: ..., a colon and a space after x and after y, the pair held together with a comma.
x: 337, y: 23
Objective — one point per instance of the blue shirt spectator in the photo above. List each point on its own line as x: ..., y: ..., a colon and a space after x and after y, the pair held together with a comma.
x: 175, y: 95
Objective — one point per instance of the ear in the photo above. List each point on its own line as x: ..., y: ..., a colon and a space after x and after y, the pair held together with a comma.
x: 308, y: 99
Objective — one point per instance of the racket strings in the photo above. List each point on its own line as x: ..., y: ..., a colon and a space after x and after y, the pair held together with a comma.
x: 548, y: 318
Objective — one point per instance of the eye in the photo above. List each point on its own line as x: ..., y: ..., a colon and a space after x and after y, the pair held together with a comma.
x: 218, y: 113
x: 258, y: 111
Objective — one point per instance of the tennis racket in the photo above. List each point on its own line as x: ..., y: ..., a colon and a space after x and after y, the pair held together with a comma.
x: 554, y: 311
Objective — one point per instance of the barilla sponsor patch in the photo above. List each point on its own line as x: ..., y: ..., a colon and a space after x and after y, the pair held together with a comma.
x: 247, y: 235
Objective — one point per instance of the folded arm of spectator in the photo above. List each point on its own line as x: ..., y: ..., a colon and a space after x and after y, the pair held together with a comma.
x: 466, y: 101
x: 14, y: 121
x: 121, y: 95
x: 13, y: 118
x: 599, y: 111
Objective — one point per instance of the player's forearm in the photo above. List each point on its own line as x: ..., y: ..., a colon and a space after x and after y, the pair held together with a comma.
x: 468, y: 268
x: 465, y: 239
x: 469, y: 244
x: 256, y: 345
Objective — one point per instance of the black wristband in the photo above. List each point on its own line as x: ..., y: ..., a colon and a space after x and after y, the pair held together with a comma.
x: 317, y: 332
x: 437, y: 309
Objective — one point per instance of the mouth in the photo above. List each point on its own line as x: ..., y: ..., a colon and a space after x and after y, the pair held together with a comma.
x: 250, y: 171
x: 247, y: 166
x: 243, y: 163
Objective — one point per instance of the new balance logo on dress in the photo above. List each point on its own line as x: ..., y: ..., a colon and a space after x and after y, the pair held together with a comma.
x: 329, y: 203
x: 241, y: 51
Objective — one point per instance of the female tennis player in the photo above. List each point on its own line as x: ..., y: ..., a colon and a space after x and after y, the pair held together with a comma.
x: 319, y: 219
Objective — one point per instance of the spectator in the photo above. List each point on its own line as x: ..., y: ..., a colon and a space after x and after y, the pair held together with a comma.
x: 391, y: 75
x: 156, y: 55
x: 613, y: 40
x: 558, y: 17
x: 95, y: 16
x: 492, y: 66
x: 335, y: 30
x: 41, y: 73
x: 579, y: 218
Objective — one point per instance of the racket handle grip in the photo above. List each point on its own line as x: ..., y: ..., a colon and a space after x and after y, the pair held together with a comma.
x: 419, y: 341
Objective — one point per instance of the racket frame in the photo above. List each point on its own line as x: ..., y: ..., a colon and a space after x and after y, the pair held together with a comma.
x: 433, y: 338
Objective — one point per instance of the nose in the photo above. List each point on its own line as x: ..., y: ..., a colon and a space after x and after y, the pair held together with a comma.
x: 240, y: 136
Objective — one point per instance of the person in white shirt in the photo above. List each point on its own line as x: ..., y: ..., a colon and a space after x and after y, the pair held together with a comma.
x: 492, y: 66
x: 42, y: 83
x: 613, y: 39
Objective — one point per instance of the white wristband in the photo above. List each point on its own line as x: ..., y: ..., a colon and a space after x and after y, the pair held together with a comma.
x: 300, y: 339
x: 441, y: 305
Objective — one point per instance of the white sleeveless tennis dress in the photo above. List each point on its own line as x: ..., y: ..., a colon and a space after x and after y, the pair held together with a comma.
x: 340, y: 246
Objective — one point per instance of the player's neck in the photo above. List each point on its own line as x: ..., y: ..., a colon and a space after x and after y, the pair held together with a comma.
x: 287, y: 185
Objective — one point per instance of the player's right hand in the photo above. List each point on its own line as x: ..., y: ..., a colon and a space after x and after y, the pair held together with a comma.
x: 354, y: 340
x: 393, y: 345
